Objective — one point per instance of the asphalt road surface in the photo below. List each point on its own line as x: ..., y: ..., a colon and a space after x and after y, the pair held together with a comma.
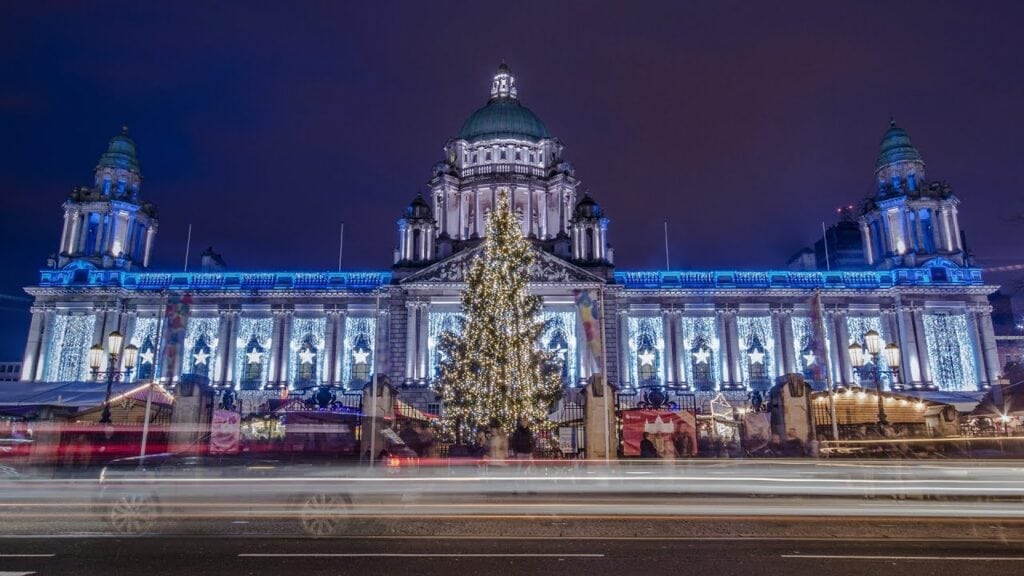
x: 493, y: 555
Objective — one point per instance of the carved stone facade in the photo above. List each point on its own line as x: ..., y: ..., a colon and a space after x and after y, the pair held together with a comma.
x: 711, y: 331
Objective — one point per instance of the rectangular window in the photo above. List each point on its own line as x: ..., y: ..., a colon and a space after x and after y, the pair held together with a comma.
x: 504, y: 154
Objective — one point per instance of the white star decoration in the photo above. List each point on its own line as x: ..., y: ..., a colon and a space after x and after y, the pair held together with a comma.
x: 646, y: 358
x: 254, y: 357
x: 201, y: 357
x: 757, y: 357
x: 809, y: 358
x: 361, y: 356
x: 701, y: 356
x: 306, y: 356
x: 146, y: 357
x: 561, y: 353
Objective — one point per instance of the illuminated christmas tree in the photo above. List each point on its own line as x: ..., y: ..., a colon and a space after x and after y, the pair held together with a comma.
x: 494, y: 368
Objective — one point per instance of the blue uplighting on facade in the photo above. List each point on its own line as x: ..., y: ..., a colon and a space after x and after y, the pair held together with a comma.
x: 214, y: 281
x: 855, y: 280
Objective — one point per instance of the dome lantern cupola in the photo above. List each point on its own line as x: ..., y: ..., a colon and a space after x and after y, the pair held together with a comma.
x: 899, y: 167
x: 504, y: 117
x: 417, y: 233
x: 589, y: 233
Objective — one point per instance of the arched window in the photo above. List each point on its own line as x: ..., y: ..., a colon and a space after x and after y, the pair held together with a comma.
x: 808, y: 362
x: 147, y: 359
x: 359, y: 359
x: 201, y: 357
x: 703, y: 359
x: 560, y: 346
x: 588, y: 245
x: 306, y: 359
x: 647, y: 361
x: 757, y: 367
x: 252, y: 374
x: 416, y: 244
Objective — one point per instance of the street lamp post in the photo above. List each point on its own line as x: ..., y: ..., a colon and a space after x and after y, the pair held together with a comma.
x: 113, y: 352
x: 865, y: 360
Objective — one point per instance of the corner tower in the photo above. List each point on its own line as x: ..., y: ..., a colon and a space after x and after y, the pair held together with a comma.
x: 910, y: 219
x: 107, y: 225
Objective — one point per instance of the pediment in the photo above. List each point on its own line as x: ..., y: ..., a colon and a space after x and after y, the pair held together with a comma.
x: 546, y: 269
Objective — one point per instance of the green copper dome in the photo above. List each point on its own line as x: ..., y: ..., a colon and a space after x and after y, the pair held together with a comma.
x: 504, y: 116
x: 896, y: 147
x: 120, y: 153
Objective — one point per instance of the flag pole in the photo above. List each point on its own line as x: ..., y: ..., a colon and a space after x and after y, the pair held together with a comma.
x: 667, y: 267
x: 824, y: 241
x: 828, y: 369
x: 341, y: 245
x: 604, y: 384
x: 188, y: 246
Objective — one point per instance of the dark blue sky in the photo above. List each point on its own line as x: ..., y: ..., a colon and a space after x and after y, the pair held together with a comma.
x: 265, y: 125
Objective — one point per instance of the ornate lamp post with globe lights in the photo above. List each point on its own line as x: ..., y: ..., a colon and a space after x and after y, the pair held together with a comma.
x: 865, y: 360
x: 113, y: 351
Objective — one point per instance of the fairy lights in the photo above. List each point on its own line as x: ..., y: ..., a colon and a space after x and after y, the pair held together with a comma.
x: 950, y: 353
x: 70, y: 341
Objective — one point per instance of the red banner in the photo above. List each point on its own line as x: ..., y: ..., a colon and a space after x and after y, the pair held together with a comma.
x: 225, y: 431
x: 674, y: 434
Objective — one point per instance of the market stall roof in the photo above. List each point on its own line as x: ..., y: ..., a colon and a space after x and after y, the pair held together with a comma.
x: 403, y: 410
x: 1002, y: 400
x: 857, y: 405
x: 16, y: 395
x: 962, y: 401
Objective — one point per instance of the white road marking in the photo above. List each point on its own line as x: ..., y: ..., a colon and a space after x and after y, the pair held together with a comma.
x: 27, y: 555
x: 16, y: 573
x: 399, y: 555
x: 958, y: 558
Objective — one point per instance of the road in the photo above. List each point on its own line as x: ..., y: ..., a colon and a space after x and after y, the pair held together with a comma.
x: 493, y: 555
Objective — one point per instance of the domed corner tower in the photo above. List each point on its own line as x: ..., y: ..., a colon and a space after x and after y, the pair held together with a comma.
x: 108, y: 225
x: 504, y: 146
x: 589, y: 234
x: 910, y: 220
x: 417, y: 232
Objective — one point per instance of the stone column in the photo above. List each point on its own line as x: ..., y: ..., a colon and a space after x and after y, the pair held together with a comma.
x: 974, y: 332
x: 682, y: 377
x: 286, y: 347
x: 778, y: 353
x: 667, y: 355
x: 330, y: 350
x: 273, y: 374
x: 218, y: 374
x: 788, y: 348
x: 922, y: 346
x: 624, y: 367
x: 835, y: 349
x: 43, y: 358
x: 908, y: 344
x: 865, y: 236
x: 842, y: 331
x: 423, y: 347
x: 732, y: 375
x: 410, y: 341
x: 33, y: 347
x: 988, y: 343
x: 380, y: 360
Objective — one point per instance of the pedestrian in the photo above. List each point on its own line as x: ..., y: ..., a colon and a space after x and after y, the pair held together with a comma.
x: 426, y: 439
x: 497, y: 444
x: 647, y: 449
x: 813, y: 445
x: 522, y: 441
x: 410, y: 437
x: 683, y: 440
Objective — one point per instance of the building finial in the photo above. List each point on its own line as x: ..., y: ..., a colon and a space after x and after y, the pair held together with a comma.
x: 504, y: 83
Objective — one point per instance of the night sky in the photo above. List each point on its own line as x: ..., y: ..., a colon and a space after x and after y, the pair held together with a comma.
x: 264, y: 126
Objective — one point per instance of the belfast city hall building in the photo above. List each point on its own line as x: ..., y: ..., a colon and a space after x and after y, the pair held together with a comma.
x: 707, y: 332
